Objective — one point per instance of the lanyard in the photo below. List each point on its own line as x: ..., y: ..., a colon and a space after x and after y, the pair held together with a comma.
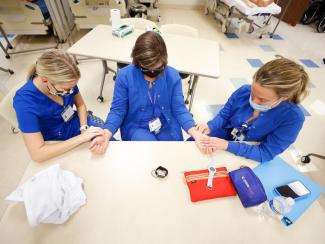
x: 153, y: 101
x: 238, y: 133
x: 253, y: 117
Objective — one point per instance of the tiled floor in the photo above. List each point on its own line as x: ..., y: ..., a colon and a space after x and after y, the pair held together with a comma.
x: 300, y: 43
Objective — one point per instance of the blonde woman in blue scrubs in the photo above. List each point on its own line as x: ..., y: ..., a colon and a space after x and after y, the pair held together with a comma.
x: 266, y: 112
x: 45, y: 108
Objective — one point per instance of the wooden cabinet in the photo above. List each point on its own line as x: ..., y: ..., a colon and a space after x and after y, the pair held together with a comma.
x: 294, y: 11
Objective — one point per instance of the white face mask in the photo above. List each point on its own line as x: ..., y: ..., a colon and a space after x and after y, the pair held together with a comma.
x: 263, y: 108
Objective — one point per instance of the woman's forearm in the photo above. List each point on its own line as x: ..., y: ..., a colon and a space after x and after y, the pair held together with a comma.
x: 82, y: 114
x: 48, y: 151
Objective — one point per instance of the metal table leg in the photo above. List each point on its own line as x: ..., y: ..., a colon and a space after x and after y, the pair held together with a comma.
x: 7, y: 70
x: 5, y: 37
x: 280, y: 17
x: 106, y: 69
x: 191, y: 92
x: 4, y: 50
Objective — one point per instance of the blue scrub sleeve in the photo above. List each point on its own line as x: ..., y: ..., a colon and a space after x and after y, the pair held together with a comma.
x: 179, y: 109
x: 274, y: 144
x: 28, y: 121
x: 119, y: 106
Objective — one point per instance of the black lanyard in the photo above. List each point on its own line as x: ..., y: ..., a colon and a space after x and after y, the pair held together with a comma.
x: 244, y: 126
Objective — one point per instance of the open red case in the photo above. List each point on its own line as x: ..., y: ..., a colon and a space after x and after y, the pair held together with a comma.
x: 197, y: 184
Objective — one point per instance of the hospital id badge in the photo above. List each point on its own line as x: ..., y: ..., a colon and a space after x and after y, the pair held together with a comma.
x: 155, y: 125
x: 237, y: 135
x: 67, y: 113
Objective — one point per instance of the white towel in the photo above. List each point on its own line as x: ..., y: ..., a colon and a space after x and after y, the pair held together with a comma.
x: 51, y: 196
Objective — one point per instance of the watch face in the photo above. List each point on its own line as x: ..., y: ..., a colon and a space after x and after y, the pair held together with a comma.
x: 212, y: 169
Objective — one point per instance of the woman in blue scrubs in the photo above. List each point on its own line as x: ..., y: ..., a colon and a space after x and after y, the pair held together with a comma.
x: 266, y: 112
x: 148, y: 102
x: 44, y: 108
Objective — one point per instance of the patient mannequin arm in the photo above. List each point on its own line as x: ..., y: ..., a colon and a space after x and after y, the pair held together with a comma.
x: 260, y: 3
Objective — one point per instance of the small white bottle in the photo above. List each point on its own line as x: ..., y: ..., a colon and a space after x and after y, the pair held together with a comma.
x: 281, y: 205
x: 275, y: 208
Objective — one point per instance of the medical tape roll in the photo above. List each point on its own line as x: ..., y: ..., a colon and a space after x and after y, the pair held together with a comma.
x: 116, y: 18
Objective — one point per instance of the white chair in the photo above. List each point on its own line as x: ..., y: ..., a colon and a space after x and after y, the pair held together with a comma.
x: 139, y: 23
x: 182, y: 30
x: 7, y: 110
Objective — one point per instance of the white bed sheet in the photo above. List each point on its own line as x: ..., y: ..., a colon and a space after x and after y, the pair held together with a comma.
x: 244, y: 8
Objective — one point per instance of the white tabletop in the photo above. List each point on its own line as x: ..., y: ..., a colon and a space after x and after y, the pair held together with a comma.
x: 125, y: 204
x: 186, y: 54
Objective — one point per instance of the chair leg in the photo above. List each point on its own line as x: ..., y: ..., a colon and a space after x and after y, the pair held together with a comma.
x: 188, y: 94
x: 7, y: 70
x: 306, y: 159
x: 106, y: 69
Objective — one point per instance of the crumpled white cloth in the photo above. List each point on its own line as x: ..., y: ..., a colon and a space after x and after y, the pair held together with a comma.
x: 51, y: 196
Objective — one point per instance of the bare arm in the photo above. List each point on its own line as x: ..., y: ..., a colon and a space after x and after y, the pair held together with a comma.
x: 40, y: 151
x: 81, y: 109
x: 100, y: 143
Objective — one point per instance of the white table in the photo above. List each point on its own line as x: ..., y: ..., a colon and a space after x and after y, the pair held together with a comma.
x: 196, y: 56
x: 125, y: 204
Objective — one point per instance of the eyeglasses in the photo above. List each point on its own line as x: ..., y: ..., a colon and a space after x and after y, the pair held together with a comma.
x: 61, y: 93
x: 160, y: 69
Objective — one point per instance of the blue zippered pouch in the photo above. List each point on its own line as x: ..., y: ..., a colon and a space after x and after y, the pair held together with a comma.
x: 248, y: 186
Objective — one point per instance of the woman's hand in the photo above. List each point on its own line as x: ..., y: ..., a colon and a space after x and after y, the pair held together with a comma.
x: 216, y: 143
x: 202, y: 141
x: 99, y: 144
x: 203, y: 128
x: 90, y: 133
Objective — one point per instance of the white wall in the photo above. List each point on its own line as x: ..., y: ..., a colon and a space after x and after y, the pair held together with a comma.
x: 183, y: 2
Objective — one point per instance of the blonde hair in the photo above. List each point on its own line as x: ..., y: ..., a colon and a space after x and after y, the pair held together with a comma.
x: 57, y: 66
x: 285, y: 77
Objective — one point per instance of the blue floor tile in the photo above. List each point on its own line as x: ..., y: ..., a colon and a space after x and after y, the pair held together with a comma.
x: 306, y: 113
x: 238, y: 82
x: 213, y: 110
x: 267, y: 48
x: 309, y: 63
x: 277, y: 37
x: 255, y: 62
x: 231, y: 35
x: 8, y: 35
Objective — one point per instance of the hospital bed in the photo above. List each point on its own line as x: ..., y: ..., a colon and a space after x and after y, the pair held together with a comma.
x: 21, y: 18
x: 90, y: 13
x: 237, y: 14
